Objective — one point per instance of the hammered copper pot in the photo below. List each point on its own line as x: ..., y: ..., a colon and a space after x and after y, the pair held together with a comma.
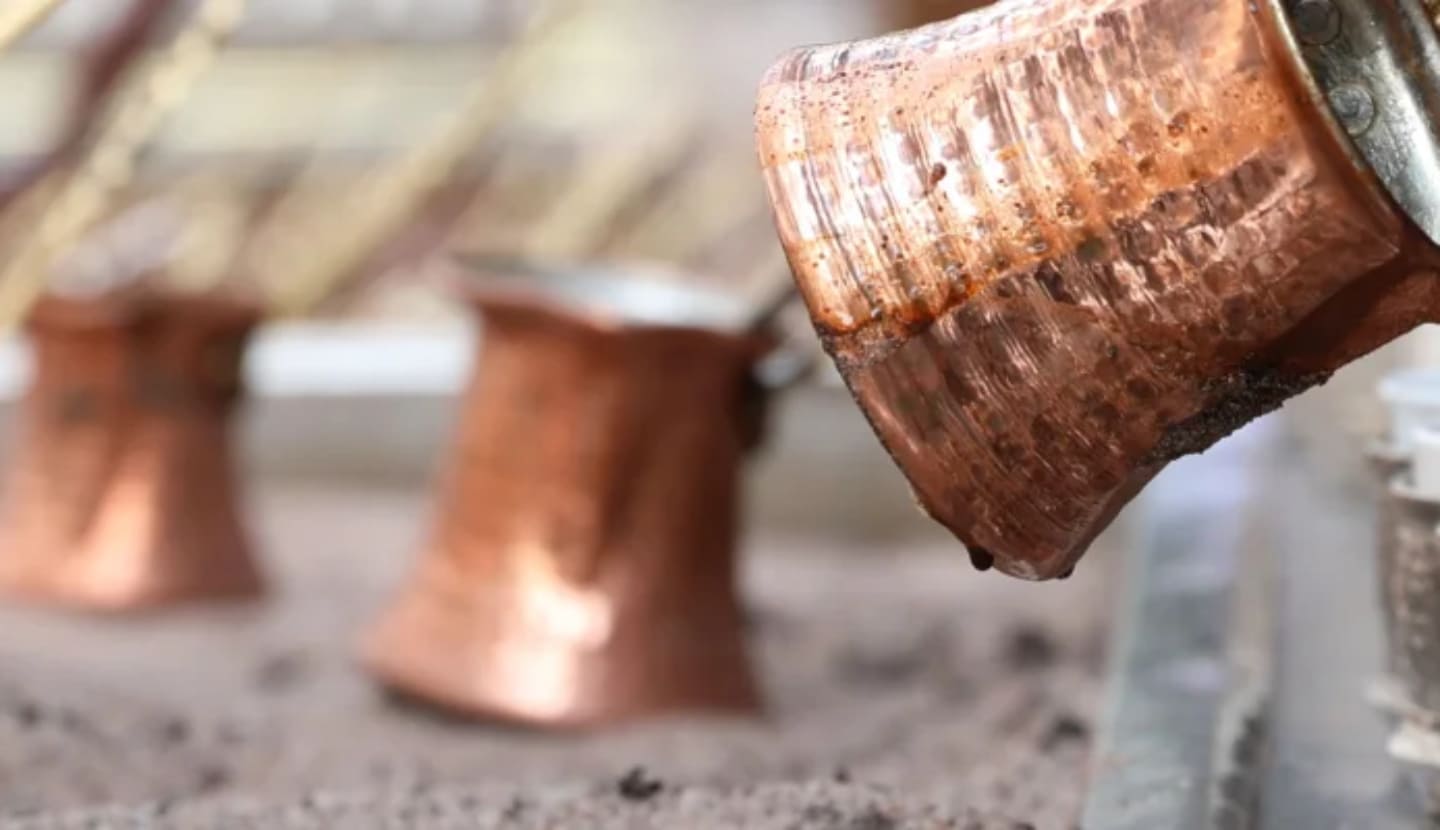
x: 1053, y: 245
x: 121, y: 490
x: 581, y: 567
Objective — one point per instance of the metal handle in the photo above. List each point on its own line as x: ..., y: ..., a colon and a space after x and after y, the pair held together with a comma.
x: 1376, y: 64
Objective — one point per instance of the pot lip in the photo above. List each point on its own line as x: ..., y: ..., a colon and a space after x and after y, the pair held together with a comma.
x: 129, y: 305
x: 623, y: 296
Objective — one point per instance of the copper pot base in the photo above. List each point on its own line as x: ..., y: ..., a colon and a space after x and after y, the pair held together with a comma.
x: 121, y: 492
x: 465, y: 654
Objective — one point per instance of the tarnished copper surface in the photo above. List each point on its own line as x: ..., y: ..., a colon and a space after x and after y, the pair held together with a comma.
x: 1054, y: 245
x: 121, y: 491
x: 582, y: 564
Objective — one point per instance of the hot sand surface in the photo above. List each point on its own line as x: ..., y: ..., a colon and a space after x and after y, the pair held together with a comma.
x: 904, y: 691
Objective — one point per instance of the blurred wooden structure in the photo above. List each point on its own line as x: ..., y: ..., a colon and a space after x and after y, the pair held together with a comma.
x: 19, y: 17
x: 310, y: 100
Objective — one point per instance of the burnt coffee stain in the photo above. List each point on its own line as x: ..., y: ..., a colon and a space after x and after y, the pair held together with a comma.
x: 1235, y: 401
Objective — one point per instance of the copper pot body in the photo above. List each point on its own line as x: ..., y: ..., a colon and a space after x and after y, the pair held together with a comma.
x: 1053, y: 246
x: 581, y: 568
x: 121, y: 492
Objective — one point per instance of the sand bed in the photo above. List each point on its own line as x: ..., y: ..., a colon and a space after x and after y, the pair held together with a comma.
x: 905, y: 691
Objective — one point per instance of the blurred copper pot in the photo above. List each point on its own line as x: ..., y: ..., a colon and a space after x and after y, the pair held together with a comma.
x: 907, y: 14
x: 121, y: 490
x: 582, y: 565
x: 1054, y: 245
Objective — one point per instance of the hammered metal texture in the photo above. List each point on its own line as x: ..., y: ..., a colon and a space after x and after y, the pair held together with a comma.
x: 581, y: 568
x: 121, y: 492
x: 1054, y: 245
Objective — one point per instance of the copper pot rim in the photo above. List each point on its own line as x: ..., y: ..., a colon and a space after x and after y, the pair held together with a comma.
x: 607, y: 297
x: 132, y: 304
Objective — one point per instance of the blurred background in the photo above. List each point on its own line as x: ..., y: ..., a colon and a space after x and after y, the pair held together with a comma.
x: 625, y: 137
x: 628, y: 138
x: 326, y: 159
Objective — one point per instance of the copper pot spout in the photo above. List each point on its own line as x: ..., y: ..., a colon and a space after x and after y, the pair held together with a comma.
x: 121, y: 491
x: 1053, y: 246
x: 581, y: 567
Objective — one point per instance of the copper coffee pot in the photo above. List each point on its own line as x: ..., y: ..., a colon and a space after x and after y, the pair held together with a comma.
x: 121, y: 491
x: 581, y: 567
x: 1055, y: 244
